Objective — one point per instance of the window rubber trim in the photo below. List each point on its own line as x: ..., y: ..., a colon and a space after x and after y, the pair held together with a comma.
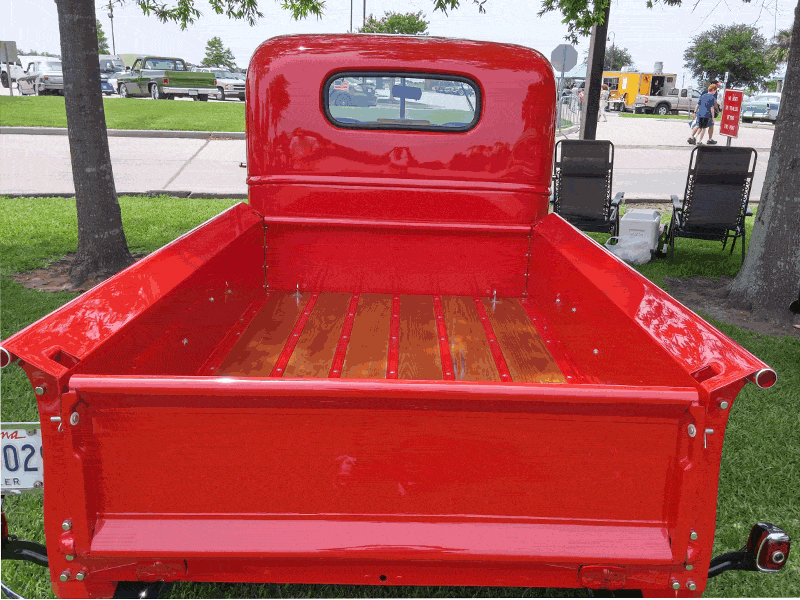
x: 392, y: 127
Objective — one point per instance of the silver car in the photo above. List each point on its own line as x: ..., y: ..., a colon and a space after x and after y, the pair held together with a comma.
x: 42, y: 77
x: 762, y: 107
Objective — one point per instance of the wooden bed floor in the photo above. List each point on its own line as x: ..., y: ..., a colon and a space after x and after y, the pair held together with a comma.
x: 331, y: 334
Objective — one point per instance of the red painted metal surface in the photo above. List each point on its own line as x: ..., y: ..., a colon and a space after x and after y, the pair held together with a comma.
x: 172, y: 473
x: 301, y: 164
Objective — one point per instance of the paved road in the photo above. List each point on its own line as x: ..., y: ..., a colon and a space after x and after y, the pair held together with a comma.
x: 651, y: 160
x: 651, y: 156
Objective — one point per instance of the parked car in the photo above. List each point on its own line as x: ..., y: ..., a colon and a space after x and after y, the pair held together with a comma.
x: 43, y: 76
x: 11, y: 73
x: 105, y: 85
x: 112, y: 75
x: 349, y: 91
x: 111, y: 62
x: 762, y: 107
x: 226, y: 83
x: 669, y: 101
x: 162, y: 77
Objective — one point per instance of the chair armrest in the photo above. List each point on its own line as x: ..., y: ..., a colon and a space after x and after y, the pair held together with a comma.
x: 676, y: 203
x: 618, y: 199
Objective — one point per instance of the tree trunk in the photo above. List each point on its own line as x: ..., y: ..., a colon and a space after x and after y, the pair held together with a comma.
x: 102, y: 248
x: 594, y: 79
x: 770, y: 277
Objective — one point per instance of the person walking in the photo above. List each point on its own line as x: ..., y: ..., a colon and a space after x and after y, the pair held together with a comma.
x: 603, y: 100
x: 704, y: 111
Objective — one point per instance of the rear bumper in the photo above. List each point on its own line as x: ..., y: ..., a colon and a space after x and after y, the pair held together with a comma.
x: 189, y: 91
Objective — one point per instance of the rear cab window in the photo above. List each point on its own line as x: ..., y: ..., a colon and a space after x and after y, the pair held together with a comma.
x: 406, y: 101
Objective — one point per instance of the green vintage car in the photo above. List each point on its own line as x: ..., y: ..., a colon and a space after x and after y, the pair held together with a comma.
x: 164, y: 78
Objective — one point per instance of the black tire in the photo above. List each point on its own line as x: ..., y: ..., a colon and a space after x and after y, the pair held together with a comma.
x: 155, y: 93
x: 220, y: 94
x: 202, y: 98
x: 662, y: 109
x: 4, y: 78
x: 342, y: 100
x: 123, y: 91
x: 241, y: 97
x: 170, y: 96
x: 746, y: 120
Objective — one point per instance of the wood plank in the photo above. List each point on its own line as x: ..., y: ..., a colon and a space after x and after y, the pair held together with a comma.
x: 316, y: 347
x: 419, y: 342
x: 368, y: 349
x: 524, y: 350
x: 469, y: 348
x: 261, y: 344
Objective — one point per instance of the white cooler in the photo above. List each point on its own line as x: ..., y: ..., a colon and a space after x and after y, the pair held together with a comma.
x: 641, y: 224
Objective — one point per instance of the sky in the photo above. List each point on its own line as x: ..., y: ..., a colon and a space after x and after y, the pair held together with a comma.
x: 658, y: 34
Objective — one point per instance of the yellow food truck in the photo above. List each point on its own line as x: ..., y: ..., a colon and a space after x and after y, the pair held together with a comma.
x: 625, y: 85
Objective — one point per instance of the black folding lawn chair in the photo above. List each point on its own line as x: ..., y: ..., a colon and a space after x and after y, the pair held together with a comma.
x: 715, y: 201
x: 582, y: 176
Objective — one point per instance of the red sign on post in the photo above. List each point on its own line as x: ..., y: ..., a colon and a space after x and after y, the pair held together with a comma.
x: 731, y: 111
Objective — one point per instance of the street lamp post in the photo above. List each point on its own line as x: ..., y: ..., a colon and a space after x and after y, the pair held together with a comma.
x: 111, y: 16
x: 610, y: 33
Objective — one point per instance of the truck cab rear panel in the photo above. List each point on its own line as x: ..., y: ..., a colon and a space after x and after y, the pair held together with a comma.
x: 319, y: 387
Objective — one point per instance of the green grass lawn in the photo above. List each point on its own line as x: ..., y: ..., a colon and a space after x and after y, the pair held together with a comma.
x: 127, y: 113
x: 760, y: 473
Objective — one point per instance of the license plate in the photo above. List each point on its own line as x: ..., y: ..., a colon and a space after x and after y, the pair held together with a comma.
x: 22, y: 458
x: 193, y: 92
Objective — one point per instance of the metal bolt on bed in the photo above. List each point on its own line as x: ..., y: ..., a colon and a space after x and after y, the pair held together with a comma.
x: 55, y: 419
x: 64, y: 576
x: 81, y: 575
x: 66, y: 525
x: 676, y: 585
x: 692, y: 430
x: 40, y: 389
x: 689, y: 567
x: 691, y: 585
x: 724, y: 405
x: 694, y: 535
x: 74, y: 418
x: 70, y: 557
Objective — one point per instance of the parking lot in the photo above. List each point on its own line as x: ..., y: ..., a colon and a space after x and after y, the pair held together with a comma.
x: 651, y: 157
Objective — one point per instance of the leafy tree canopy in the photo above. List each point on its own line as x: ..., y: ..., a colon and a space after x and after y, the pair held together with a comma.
x: 218, y: 55
x: 392, y: 22
x: 739, y: 50
x: 614, y: 59
x: 102, y: 42
x: 779, y: 46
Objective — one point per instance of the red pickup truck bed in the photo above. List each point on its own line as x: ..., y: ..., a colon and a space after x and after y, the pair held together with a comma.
x: 391, y: 367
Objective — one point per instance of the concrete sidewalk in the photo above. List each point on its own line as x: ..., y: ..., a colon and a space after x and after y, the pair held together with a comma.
x: 651, y: 160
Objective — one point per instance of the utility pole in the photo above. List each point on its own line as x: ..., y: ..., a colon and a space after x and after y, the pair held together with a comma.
x: 111, y: 16
x: 364, y: 24
x: 594, y: 79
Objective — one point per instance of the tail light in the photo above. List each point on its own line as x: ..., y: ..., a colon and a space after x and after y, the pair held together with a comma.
x: 769, y: 545
x: 46, y: 78
x: 215, y: 83
x: 645, y: 100
x: 166, y: 80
